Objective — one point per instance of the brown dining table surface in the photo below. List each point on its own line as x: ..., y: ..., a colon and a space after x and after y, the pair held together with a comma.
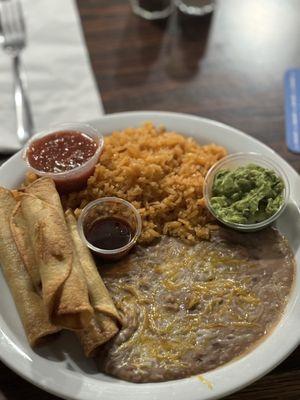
x: 228, y: 67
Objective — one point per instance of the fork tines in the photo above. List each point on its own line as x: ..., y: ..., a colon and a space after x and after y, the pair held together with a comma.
x: 13, y: 25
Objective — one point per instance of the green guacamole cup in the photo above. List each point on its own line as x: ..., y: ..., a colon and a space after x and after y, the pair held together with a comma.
x: 246, y: 191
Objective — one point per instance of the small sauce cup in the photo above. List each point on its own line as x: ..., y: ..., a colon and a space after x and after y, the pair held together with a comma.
x: 234, y: 161
x: 107, y: 208
x: 75, y: 178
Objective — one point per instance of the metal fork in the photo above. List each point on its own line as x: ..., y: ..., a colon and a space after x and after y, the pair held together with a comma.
x: 14, y: 41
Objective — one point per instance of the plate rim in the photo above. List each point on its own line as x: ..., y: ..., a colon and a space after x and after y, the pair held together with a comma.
x: 87, y: 391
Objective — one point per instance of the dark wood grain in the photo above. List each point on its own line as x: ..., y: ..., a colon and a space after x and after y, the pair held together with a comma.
x: 229, y: 68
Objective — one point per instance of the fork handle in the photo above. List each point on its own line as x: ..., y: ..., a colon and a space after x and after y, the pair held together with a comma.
x: 23, y: 112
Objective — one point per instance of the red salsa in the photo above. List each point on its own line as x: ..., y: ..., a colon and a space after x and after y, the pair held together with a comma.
x: 61, y: 151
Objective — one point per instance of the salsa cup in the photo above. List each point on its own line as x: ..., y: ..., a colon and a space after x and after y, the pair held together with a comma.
x: 234, y: 161
x: 76, y: 178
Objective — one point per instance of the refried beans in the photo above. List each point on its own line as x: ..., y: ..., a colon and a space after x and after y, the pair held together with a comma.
x: 188, y: 309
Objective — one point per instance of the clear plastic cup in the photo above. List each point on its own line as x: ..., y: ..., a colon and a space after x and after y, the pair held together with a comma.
x: 76, y: 178
x: 106, y: 207
x: 234, y: 161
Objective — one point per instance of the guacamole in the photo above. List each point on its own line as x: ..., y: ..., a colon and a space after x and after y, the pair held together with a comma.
x: 247, y: 194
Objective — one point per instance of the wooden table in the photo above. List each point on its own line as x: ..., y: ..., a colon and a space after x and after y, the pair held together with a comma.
x: 229, y: 68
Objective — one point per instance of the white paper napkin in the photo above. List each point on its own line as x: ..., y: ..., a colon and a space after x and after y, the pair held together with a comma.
x: 60, y: 81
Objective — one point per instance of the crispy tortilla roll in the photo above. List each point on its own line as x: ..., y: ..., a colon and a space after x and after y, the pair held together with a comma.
x: 104, y: 325
x: 64, y: 288
x: 28, y: 302
x: 99, y: 296
x: 100, y: 330
x: 19, y: 230
x: 44, y: 189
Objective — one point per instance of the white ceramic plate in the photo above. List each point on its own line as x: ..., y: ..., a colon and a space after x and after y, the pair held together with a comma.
x: 61, y: 368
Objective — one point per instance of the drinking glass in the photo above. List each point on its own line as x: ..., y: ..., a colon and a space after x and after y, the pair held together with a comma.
x: 152, y: 9
x: 196, y: 7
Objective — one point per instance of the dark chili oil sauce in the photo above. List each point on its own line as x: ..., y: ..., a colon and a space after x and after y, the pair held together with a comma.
x: 109, y: 233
